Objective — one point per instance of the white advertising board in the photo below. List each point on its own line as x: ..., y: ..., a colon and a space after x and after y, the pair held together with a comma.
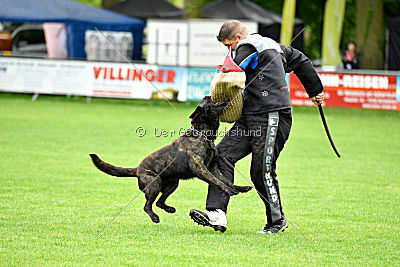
x: 187, y: 42
x: 204, y: 48
x: 167, y: 42
x: 101, y: 79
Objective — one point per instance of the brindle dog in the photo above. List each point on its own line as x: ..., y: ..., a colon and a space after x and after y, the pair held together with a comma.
x: 191, y: 155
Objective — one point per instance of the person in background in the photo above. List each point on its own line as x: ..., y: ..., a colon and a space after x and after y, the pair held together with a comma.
x: 350, y: 58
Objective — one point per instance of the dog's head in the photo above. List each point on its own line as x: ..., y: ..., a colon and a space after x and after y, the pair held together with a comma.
x: 207, y: 112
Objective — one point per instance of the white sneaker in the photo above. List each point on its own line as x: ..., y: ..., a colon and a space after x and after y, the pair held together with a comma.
x: 215, y: 219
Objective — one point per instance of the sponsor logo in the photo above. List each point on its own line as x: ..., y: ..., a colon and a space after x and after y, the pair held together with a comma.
x: 125, y: 74
x: 355, y: 81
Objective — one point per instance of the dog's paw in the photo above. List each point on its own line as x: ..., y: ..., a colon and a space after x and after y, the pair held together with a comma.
x: 155, y: 218
x: 170, y: 209
x: 243, y: 189
x: 165, y: 207
x: 232, y: 192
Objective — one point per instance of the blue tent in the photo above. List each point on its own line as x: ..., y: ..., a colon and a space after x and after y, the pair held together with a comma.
x: 77, y: 17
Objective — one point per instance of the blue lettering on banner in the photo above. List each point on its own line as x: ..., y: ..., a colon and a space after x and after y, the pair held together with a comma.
x: 398, y: 88
x: 198, y: 83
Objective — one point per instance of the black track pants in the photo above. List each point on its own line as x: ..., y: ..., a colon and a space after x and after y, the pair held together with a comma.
x: 247, y: 136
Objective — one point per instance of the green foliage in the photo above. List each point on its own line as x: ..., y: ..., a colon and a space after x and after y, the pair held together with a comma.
x: 392, y: 8
x: 349, y: 23
x: 193, y: 7
x: 274, y: 6
x: 96, y: 3
x: 312, y: 12
x: 54, y: 201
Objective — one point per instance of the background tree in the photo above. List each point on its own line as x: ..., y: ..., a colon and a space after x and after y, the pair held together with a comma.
x: 370, y: 35
x: 108, y: 3
x: 96, y: 3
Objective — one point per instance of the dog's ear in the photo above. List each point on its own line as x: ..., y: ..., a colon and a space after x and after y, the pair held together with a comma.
x: 196, y: 112
x: 205, y: 101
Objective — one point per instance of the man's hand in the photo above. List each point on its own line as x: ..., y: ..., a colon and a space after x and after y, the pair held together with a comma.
x: 318, y: 99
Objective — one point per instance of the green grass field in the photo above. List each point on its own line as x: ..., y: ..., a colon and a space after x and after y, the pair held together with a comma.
x: 53, y: 201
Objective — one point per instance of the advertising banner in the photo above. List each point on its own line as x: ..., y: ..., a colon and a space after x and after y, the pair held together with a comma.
x: 367, y: 91
x: 136, y: 81
x: 44, y: 76
x: 398, y: 93
x: 198, y: 83
x: 123, y: 80
x: 90, y: 78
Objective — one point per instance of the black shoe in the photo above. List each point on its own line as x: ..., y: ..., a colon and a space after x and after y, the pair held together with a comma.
x: 277, y: 227
x: 215, y: 219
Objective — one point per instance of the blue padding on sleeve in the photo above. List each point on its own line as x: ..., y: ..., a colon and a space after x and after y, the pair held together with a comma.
x: 250, y: 61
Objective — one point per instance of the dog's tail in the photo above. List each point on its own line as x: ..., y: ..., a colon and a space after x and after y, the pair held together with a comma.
x: 111, y: 169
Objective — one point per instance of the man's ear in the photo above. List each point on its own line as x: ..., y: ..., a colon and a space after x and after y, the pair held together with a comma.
x: 196, y: 112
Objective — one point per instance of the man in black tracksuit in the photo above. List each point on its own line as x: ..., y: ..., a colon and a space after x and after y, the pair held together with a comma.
x: 266, y: 107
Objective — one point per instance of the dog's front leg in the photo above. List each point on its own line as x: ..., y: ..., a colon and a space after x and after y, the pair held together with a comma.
x: 200, y: 170
x: 217, y: 173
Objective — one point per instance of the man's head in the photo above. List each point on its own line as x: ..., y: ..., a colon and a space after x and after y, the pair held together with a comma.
x: 231, y: 33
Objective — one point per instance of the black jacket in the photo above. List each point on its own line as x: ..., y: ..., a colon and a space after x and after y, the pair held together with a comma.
x: 266, y: 63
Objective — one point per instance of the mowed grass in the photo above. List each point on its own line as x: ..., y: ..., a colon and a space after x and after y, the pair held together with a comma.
x: 53, y: 201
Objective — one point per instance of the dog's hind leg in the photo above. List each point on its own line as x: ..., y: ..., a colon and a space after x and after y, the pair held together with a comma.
x: 167, y: 190
x: 152, y: 187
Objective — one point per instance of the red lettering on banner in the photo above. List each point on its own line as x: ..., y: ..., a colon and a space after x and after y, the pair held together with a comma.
x: 170, y: 76
x: 111, y: 74
x: 150, y: 75
x: 160, y: 76
x: 96, y: 72
x: 137, y: 75
x: 119, y: 74
x: 371, y: 91
x: 134, y: 74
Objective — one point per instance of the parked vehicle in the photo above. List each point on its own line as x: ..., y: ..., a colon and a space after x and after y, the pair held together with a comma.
x: 29, y: 40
